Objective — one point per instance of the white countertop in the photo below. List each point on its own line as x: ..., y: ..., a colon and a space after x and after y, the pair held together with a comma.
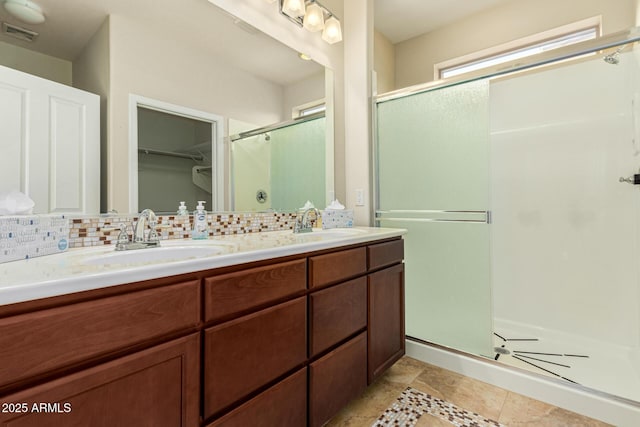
x: 92, y: 268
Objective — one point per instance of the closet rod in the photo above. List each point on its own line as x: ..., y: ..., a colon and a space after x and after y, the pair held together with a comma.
x: 169, y: 153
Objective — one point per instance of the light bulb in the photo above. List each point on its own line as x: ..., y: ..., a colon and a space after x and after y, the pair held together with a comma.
x: 314, y: 18
x: 332, y: 32
x: 293, y: 8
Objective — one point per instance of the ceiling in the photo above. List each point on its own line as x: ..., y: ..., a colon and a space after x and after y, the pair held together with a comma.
x: 71, y: 23
x: 400, y: 20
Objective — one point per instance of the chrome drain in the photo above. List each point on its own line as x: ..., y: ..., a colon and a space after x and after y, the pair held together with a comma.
x: 501, y: 350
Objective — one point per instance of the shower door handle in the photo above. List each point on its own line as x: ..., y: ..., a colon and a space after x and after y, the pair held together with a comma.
x: 635, y: 179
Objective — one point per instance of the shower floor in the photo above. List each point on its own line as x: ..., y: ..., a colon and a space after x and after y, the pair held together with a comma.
x: 598, y: 365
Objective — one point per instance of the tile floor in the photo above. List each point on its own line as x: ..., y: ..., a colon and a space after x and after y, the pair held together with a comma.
x: 510, y: 409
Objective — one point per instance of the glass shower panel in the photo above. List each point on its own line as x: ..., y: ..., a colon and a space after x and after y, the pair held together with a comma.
x: 281, y: 168
x: 250, y: 173
x: 298, y: 165
x: 433, y: 179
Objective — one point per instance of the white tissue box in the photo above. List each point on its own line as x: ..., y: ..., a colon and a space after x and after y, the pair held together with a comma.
x: 337, y: 218
x: 29, y: 236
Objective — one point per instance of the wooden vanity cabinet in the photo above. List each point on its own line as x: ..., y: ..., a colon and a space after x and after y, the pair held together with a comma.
x: 287, y: 342
x: 157, y: 387
x: 386, y: 341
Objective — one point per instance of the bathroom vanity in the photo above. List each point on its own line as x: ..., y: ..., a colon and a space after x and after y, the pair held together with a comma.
x: 279, y: 330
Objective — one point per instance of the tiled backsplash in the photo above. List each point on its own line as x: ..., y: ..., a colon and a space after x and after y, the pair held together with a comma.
x: 104, y: 230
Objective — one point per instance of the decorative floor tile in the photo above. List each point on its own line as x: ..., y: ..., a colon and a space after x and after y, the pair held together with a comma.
x: 412, y: 403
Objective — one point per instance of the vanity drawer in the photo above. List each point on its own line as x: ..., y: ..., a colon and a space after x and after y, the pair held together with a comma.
x: 284, y: 404
x: 49, y: 340
x: 241, y: 291
x: 336, y: 267
x: 384, y: 254
x: 244, y: 354
x: 336, y: 379
x: 335, y: 313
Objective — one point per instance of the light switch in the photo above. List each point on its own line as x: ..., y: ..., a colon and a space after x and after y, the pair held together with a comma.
x: 359, y: 197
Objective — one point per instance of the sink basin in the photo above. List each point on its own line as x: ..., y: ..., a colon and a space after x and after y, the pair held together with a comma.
x: 155, y: 255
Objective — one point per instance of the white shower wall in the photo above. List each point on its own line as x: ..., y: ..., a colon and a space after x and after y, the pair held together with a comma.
x: 565, y: 233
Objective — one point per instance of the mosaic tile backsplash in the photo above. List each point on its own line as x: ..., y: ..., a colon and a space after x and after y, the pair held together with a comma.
x: 29, y: 236
x: 104, y: 230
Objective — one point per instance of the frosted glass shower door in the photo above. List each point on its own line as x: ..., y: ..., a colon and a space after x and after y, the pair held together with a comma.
x: 433, y: 179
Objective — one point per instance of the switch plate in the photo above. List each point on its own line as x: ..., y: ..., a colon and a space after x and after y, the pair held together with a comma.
x: 359, y: 197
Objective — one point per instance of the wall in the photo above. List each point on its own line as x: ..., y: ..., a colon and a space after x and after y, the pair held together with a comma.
x: 303, y: 92
x: 565, y: 231
x: 38, y: 64
x: 358, y: 66
x: 91, y: 72
x: 416, y: 57
x: 384, y: 62
x: 146, y: 61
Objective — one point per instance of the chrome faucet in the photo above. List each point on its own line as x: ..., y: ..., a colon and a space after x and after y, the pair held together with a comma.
x: 147, y: 216
x: 303, y: 223
x: 139, y: 241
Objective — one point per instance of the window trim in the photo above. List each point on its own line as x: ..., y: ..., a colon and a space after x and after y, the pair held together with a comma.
x: 308, y: 109
x: 555, y: 34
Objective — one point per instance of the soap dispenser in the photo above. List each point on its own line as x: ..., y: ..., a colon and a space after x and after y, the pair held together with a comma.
x: 200, y: 231
x: 182, y: 210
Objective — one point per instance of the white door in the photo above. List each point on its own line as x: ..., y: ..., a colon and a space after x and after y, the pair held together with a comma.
x: 49, y: 143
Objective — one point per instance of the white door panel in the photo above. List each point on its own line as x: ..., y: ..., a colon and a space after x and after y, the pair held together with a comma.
x: 13, y: 137
x: 50, y: 137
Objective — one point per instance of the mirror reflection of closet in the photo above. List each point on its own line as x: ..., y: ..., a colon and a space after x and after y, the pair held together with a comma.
x: 174, y: 161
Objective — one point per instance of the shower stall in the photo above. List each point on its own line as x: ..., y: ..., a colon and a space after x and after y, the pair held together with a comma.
x: 280, y: 167
x: 521, y: 194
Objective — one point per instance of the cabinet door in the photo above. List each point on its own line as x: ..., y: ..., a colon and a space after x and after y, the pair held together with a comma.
x: 245, y: 354
x: 157, y: 387
x: 337, y: 378
x: 386, y: 319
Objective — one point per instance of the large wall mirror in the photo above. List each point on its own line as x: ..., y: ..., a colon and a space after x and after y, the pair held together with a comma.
x: 202, y: 75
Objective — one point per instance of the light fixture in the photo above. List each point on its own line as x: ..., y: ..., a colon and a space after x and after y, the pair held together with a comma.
x: 332, y: 32
x: 304, y: 56
x: 313, y: 16
x: 293, y: 8
x: 25, y: 10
